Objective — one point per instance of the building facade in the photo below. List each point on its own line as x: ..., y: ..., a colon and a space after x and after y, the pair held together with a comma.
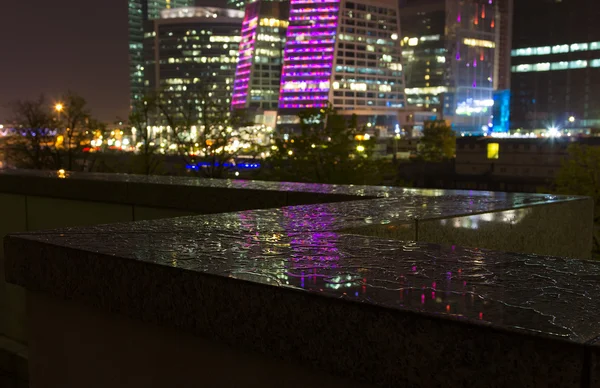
x: 192, y: 51
x: 140, y: 11
x: 556, y: 65
x: 258, y: 74
x: 345, y: 53
x: 455, y: 57
x: 512, y: 164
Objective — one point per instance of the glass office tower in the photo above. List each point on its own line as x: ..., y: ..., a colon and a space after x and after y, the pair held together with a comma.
x: 191, y: 52
x: 556, y: 65
x: 456, y: 56
x: 139, y: 12
x: 258, y: 72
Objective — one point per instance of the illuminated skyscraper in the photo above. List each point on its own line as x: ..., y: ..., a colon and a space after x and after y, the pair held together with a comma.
x: 556, y: 65
x: 238, y: 4
x: 258, y: 72
x: 346, y: 53
x: 192, y: 51
x: 455, y: 59
x: 139, y: 12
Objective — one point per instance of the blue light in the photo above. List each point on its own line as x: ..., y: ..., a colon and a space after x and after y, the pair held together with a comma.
x: 240, y: 166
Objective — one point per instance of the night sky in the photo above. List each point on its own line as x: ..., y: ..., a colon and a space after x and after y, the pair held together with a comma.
x: 52, y: 46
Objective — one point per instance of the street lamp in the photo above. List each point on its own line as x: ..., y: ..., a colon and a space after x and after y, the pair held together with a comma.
x: 572, y: 119
x: 58, y: 108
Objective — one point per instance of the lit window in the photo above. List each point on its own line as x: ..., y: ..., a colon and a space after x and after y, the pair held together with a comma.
x: 493, y: 150
x: 579, y: 47
x: 564, y: 48
x: 595, y: 63
x: 358, y: 86
x: 479, y: 43
x: 522, y: 52
x: 429, y: 38
x: 543, y: 50
x: 578, y: 64
x: 559, y: 65
x: 523, y: 68
x: 435, y: 90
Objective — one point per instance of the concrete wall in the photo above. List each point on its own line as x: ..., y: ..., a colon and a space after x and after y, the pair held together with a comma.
x: 77, y: 354
x: 22, y: 213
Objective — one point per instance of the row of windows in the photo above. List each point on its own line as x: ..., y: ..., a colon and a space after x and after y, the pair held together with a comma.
x: 360, y: 31
x: 352, y: 38
x: 257, y: 92
x: 361, y: 48
x: 558, y: 49
x: 271, y: 60
x: 272, y: 82
x: 371, y: 79
x: 267, y: 75
x: 184, y: 88
x: 550, y: 66
x: 232, y: 60
x: 367, y: 95
x: 370, y: 8
x: 352, y: 62
x: 362, y: 54
x: 380, y: 24
x: 411, y: 53
x: 275, y: 68
x: 368, y: 103
x: 367, y: 70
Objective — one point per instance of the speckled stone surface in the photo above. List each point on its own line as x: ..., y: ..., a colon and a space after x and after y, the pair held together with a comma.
x: 329, y: 284
x: 190, y: 193
x: 562, y: 228
x: 557, y: 230
x: 381, y: 312
x: 559, y: 226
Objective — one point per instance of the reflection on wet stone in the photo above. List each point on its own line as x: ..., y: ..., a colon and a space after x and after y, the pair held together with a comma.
x: 548, y: 295
x: 362, y: 258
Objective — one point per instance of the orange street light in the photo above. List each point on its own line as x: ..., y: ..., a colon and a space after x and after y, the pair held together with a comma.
x: 58, y: 107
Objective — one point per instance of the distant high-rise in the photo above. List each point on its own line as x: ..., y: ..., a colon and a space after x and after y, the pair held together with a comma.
x: 346, y: 53
x: 506, y: 17
x: 455, y: 55
x: 192, y: 52
x: 556, y: 65
x: 139, y: 12
x: 258, y: 72
x: 238, y: 4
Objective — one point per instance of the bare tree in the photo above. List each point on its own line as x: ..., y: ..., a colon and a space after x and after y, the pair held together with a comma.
x: 28, y: 147
x: 75, y: 130
x: 141, y: 119
x: 208, y: 135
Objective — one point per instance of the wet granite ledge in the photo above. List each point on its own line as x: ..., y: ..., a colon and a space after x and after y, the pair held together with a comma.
x: 378, y: 311
x: 529, y: 223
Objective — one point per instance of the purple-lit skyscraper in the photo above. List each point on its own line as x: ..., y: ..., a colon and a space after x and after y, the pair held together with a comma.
x: 258, y: 73
x: 346, y: 53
